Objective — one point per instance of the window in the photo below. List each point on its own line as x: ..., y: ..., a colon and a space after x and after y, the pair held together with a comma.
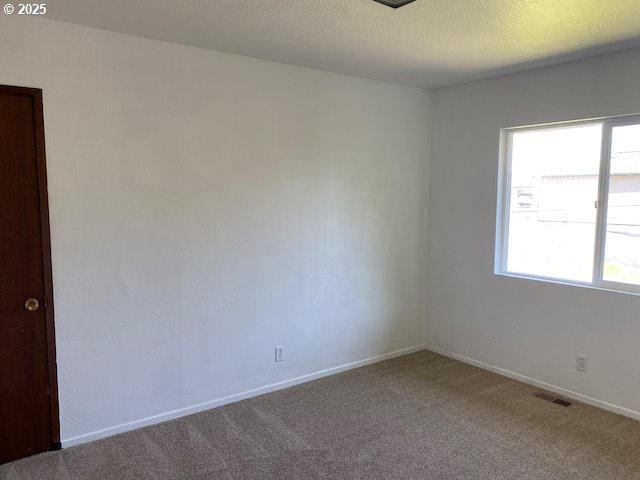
x: 569, y: 203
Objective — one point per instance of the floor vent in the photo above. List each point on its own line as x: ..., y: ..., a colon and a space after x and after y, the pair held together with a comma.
x: 552, y: 399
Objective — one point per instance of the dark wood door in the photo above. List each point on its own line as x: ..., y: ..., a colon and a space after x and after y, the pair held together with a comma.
x: 28, y: 395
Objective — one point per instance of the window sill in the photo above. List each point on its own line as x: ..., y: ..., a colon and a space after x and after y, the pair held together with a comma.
x: 613, y: 288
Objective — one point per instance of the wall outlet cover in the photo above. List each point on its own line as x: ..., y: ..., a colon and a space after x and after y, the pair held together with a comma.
x: 279, y: 353
x: 582, y: 363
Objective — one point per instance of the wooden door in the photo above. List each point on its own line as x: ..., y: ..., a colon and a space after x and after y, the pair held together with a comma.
x: 28, y: 392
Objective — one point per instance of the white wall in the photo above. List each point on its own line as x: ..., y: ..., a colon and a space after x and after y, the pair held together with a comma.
x: 530, y: 328
x: 206, y: 207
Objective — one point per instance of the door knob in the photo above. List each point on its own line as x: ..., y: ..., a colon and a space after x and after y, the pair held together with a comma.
x: 32, y: 304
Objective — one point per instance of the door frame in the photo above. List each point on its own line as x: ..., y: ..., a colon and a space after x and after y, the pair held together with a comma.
x: 38, y: 127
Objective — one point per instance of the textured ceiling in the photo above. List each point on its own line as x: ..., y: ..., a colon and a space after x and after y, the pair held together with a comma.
x: 428, y: 43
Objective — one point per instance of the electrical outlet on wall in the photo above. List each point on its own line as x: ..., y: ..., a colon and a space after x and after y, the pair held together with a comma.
x: 582, y: 362
x: 280, y: 353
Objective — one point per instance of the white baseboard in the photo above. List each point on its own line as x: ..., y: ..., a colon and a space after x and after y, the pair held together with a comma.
x: 182, y: 412
x: 539, y: 384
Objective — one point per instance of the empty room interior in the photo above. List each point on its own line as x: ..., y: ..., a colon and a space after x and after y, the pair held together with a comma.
x: 320, y: 239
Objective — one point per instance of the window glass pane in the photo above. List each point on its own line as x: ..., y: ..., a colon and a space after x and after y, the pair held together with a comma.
x: 554, y: 188
x: 622, y: 242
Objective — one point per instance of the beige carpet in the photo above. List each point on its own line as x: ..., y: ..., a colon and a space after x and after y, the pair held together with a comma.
x: 422, y: 416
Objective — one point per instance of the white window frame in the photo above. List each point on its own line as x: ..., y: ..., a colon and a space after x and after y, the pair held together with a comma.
x: 504, y: 203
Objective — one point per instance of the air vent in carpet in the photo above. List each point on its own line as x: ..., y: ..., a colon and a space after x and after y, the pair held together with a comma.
x: 552, y: 399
